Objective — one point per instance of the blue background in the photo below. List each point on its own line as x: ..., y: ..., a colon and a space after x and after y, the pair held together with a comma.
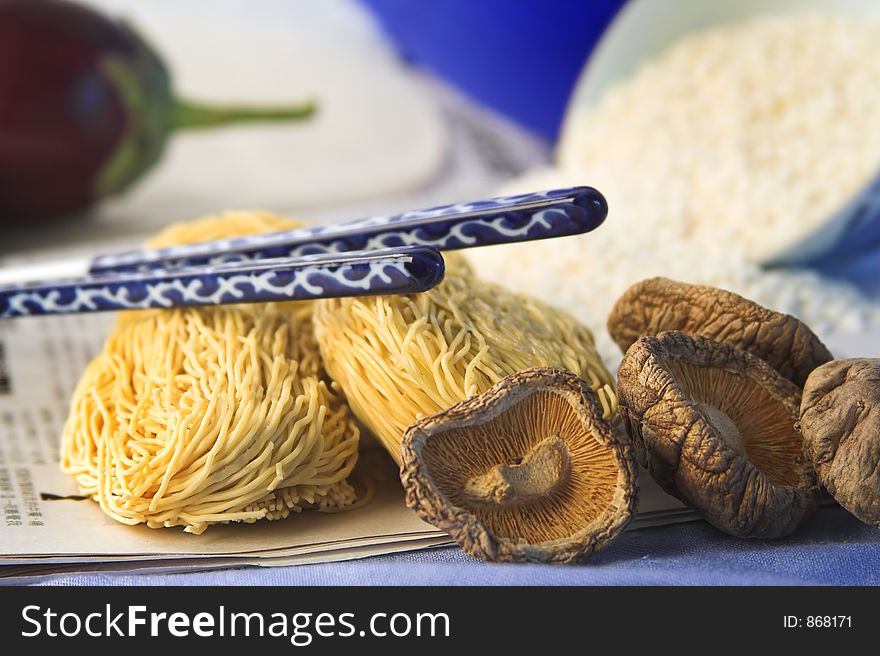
x: 522, y: 62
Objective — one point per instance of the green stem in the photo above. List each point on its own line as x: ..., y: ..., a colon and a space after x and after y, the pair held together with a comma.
x: 190, y: 115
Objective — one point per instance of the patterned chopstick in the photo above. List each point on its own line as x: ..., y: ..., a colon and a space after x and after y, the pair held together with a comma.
x: 527, y: 217
x: 401, y: 270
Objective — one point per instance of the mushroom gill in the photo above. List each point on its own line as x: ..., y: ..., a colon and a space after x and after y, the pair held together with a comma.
x: 528, y: 470
x: 752, y: 422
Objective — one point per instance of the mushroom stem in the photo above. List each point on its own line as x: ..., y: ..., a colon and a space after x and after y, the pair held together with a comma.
x: 541, y: 471
x: 724, y: 426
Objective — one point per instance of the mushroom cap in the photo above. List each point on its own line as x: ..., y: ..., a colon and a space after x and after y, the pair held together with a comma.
x: 527, y: 471
x: 659, y: 304
x: 715, y: 427
x: 840, y: 421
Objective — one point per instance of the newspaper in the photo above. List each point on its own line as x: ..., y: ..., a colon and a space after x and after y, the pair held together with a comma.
x: 46, y: 526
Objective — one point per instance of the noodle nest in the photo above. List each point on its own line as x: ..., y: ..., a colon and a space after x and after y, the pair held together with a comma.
x: 196, y: 416
x: 398, y: 358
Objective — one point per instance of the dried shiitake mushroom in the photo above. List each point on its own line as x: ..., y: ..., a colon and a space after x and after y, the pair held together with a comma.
x: 527, y: 471
x: 715, y: 427
x: 658, y: 304
x: 840, y: 421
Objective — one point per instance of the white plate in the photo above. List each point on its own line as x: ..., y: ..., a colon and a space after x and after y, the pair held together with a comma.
x: 377, y: 131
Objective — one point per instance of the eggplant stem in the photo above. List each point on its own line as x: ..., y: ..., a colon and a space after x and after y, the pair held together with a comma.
x: 187, y: 115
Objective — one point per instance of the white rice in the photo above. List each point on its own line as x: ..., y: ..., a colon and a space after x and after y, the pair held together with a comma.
x: 722, y: 150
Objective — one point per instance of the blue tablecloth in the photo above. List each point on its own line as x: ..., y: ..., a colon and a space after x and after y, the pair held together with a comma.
x: 832, y: 548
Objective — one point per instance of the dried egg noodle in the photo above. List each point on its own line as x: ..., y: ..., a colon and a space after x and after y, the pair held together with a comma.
x: 399, y: 358
x: 195, y: 416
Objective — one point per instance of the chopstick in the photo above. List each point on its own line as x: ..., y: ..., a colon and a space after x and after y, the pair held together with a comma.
x: 401, y: 270
x: 504, y: 220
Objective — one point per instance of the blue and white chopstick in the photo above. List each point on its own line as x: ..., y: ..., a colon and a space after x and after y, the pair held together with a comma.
x: 527, y: 217
x: 389, y: 271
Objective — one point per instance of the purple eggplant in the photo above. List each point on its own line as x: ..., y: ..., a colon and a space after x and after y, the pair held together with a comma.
x: 86, y: 107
